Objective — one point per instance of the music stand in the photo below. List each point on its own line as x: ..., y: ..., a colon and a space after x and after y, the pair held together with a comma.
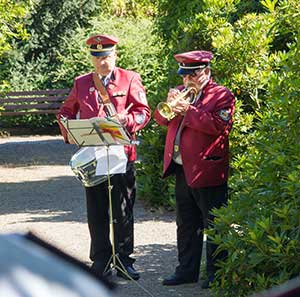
x: 102, y: 132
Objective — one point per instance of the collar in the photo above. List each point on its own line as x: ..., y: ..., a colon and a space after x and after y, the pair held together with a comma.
x: 108, y: 77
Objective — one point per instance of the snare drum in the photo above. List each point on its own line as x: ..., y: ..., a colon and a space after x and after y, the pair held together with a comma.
x: 83, y: 163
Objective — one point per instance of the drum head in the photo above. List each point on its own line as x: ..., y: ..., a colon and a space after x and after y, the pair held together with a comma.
x: 82, y: 156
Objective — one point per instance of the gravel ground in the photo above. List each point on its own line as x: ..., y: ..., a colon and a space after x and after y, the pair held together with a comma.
x: 39, y: 193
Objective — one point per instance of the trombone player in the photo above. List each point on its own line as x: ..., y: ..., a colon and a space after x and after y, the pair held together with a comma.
x: 198, y: 115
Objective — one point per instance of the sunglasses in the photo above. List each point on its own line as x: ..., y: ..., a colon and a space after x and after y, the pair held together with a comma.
x: 194, y: 73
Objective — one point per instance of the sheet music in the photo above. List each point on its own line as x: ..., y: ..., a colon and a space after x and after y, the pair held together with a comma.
x: 96, y: 131
x: 111, y: 130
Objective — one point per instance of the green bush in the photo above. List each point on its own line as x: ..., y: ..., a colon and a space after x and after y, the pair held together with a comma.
x: 260, y: 226
x: 31, y: 63
x: 152, y: 188
x: 11, y: 23
x: 133, y: 8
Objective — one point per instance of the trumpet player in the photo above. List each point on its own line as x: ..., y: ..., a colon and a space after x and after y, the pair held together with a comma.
x: 197, y: 153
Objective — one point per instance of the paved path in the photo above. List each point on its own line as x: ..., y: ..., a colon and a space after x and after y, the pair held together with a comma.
x: 38, y: 192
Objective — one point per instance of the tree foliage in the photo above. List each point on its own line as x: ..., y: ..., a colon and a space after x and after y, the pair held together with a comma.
x: 11, y: 15
x: 132, y: 8
x: 11, y: 27
x: 260, y: 227
x: 32, y: 62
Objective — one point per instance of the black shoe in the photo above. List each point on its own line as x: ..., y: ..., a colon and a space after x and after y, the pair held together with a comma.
x: 99, y: 269
x: 175, y: 280
x: 207, y: 283
x: 131, y: 273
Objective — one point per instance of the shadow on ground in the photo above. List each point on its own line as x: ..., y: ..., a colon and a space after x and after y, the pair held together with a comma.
x: 61, y: 196
x: 155, y: 262
x: 38, y: 152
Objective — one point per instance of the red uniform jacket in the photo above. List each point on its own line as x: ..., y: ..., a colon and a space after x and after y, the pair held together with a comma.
x: 125, y: 87
x: 204, y: 137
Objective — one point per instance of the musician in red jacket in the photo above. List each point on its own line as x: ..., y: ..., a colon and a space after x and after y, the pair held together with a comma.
x: 127, y: 95
x: 196, y: 151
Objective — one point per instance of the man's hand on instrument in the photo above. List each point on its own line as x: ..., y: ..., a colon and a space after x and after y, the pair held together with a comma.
x: 122, y: 117
x: 172, y: 95
x: 181, y: 106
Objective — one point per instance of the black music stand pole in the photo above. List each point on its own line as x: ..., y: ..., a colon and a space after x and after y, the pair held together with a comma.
x: 114, y: 259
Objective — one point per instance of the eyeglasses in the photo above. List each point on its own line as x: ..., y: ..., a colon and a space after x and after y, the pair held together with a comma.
x: 194, y: 73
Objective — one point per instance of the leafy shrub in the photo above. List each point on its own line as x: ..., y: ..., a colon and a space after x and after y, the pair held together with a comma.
x: 260, y: 226
x: 134, y: 8
x: 11, y: 23
x: 32, y: 63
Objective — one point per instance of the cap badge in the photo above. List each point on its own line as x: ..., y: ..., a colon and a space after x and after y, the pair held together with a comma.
x: 99, y: 46
x: 98, y: 39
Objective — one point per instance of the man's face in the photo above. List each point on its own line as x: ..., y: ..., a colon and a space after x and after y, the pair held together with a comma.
x: 104, y: 65
x: 197, y: 78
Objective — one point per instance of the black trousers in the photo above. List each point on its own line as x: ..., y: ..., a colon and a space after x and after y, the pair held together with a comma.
x: 123, y: 196
x: 193, y: 208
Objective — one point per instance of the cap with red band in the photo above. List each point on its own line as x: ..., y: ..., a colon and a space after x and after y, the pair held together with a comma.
x: 102, y: 45
x: 190, y: 61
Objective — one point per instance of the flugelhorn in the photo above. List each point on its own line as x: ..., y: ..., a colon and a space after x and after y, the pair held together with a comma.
x: 165, y: 109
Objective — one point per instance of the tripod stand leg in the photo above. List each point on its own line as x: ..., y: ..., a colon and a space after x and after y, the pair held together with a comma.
x: 114, y: 257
